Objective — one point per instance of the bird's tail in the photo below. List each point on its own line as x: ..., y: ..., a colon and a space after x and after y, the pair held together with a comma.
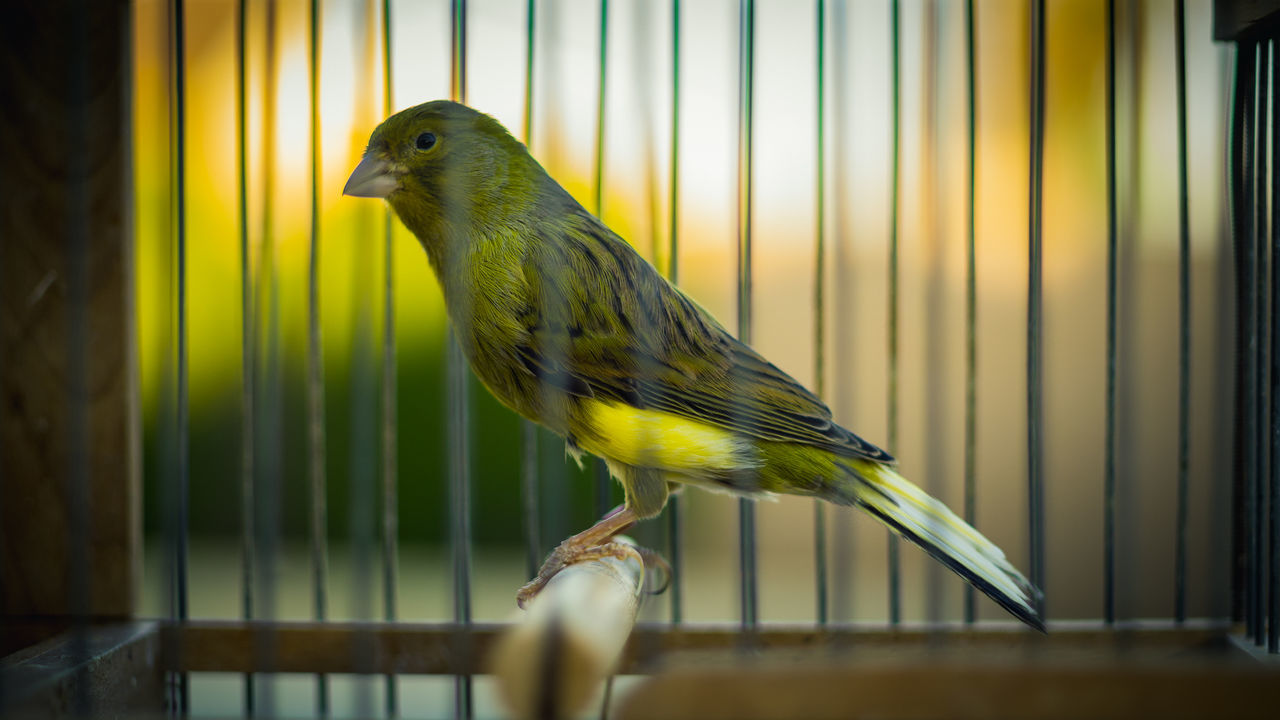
x: 913, y: 514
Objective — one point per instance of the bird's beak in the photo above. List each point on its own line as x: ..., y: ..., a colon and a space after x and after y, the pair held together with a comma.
x: 373, y: 178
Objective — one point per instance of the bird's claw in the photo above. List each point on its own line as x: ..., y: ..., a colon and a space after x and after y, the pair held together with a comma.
x: 565, y: 555
x: 529, y: 591
x: 653, y: 561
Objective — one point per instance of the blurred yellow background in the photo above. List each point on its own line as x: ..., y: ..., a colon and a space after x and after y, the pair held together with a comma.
x: 635, y: 203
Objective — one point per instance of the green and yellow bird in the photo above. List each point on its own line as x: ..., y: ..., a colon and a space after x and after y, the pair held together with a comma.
x: 568, y: 326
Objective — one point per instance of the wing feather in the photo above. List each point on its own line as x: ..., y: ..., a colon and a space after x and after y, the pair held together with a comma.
x: 603, y: 323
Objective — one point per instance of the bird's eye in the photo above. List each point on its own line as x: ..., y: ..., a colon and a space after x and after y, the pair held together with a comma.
x: 426, y: 141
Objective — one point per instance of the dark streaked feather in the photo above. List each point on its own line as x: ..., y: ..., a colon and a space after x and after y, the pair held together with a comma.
x: 635, y: 338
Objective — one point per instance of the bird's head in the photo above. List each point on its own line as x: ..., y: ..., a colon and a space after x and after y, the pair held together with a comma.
x: 443, y: 167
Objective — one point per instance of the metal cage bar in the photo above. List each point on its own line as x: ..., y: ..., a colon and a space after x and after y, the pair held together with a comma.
x: 248, y: 397
x: 675, y: 503
x: 749, y: 581
x: 1273, y: 572
x: 176, y: 382
x: 1242, y: 230
x: 1112, y: 331
x: 316, y: 448
x: 266, y: 324
x: 1259, y: 331
x: 1254, y: 193
x: 1035, y: 304
x: 459, y: 417
x: 529, y: 486
x: 1184, y: 319
x: 895, y: 212
x: 387, y: 450
x: 599, y: 470
x: 971, y: 293
x: 821, y: 609
x: 1262, y: 230
x: 1266, y: 188
x: 842, y: 555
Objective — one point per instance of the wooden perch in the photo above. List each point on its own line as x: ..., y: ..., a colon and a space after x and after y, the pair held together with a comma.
x: 551, y: 664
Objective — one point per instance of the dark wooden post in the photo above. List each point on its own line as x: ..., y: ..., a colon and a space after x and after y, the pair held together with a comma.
x: 69, y: 428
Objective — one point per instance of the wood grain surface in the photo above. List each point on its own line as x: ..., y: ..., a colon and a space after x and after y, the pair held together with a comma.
x: 69, y: 500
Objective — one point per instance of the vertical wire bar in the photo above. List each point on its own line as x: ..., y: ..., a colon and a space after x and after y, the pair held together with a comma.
x: 843, y: 566
x: 895, y: 40
x: 822, y: 610
x: 1246, y: 77
x: 270, y: 400
x: 1110, y: 439
x: 1265, y: 190
x: 390, y: 466
x: 1035, y: 304
x: 1234, y: 160
x: 460, y: 507
x: 675, y: 503
x: 1241, y: 230
x: 1184, y: 319
x: 459, y: 417
x: 601, y: 472
x: 971, y: 299
x: 1250, y: 371
x: 928, y: 166
x: 531, y: 16
x: 315, y: 369
x: 528, y: 430
x: 529, y: 496
x: 364, y: 426
x: 247, y: 336
x: 181, y: 476
x: 673, y: 255
x: 458, y: 51
x: 597, y: 187
x: 1256, y: 331
x: 749, y: 586
x: 1273, y: 581
x: 1261, y: 229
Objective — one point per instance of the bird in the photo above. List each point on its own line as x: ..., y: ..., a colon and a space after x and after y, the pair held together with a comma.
x: 571, y: 328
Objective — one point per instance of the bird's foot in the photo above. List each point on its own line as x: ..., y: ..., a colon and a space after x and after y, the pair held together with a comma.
x: 566, y: 554
x: 655, y: 583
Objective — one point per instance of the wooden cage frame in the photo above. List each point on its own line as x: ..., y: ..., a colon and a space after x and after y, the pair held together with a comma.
x: 1086, y: 671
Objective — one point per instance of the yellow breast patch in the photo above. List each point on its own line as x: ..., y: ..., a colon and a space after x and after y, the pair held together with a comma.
x: 653, y: 438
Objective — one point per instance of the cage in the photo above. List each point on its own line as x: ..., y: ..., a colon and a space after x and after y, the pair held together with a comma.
x: 1027, y: 247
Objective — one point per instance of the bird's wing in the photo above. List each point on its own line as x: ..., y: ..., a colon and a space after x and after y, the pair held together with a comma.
x: 604, y: 323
